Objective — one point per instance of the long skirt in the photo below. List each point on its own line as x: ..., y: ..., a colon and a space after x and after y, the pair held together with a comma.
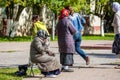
x: 66, y: 59
x: 49, y: 63
x: 116, y: 44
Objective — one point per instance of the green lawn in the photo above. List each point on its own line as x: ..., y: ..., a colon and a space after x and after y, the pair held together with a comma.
x: 98, y: 37
x: 108, y: 36
x: 9, y: 73
x: 23, y: 39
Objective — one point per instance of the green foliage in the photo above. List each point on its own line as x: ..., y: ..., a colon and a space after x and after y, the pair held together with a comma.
x: 4, y: 3
x: 115, y: 1
x: 100, y: 7
x: 104, y: 8
x: 78, y: 5
x: 57, y: 5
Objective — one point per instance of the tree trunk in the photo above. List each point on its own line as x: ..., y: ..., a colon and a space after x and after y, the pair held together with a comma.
x: 12, y: 23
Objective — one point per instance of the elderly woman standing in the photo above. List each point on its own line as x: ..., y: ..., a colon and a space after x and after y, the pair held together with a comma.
x: 39, y: 53
x: 65, y: 32
x: 116, y: 25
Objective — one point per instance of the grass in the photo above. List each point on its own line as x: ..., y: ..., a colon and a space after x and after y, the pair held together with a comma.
x: 108, y: 36
x: 23, y: 39
x: 8, y: 74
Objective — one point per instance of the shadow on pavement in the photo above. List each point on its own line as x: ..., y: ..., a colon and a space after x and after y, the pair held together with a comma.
x: 34, y: 77
x: 91, y: 67
x: 116, y: 63
x: 101, y: 55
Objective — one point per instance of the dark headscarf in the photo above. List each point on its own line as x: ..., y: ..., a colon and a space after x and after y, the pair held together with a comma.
x: 42, y: 34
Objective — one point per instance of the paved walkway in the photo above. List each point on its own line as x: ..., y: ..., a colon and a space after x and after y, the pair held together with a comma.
x: 102, y: 60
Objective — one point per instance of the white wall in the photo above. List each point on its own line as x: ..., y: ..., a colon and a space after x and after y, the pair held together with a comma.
x: 95, y: 21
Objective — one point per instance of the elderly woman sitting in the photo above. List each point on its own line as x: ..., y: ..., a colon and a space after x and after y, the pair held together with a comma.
x: 40, y: 54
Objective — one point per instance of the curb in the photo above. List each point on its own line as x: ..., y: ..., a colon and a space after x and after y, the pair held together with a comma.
x: 96, y: 47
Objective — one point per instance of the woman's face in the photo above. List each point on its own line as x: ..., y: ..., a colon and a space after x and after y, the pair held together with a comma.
x: 113, y: 9
x: 71, y: 11
x: 34, y: 21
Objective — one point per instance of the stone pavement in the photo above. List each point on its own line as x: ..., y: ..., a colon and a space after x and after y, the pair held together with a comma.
x: 102, y: 60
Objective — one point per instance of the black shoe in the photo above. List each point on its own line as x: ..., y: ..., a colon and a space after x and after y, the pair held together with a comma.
x: 67, y: 70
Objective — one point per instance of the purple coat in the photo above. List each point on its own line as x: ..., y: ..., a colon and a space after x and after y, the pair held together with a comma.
x: 65, y: 31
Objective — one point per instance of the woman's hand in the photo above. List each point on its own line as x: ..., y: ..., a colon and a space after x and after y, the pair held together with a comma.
x: 51, y: 53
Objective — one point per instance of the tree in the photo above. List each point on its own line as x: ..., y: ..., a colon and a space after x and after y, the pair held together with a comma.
x: 82, y: 6
x: 103, y: 9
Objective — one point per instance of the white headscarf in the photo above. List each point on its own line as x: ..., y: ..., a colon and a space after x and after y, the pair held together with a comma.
x: 116, y: 6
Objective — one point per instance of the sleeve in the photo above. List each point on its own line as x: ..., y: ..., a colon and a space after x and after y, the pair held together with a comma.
x: 83, y: 21
x: 71, y: 28
x: 34, y: 29
x: 117, y: 22
x: 39, y: 47
x: 114, y: 21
